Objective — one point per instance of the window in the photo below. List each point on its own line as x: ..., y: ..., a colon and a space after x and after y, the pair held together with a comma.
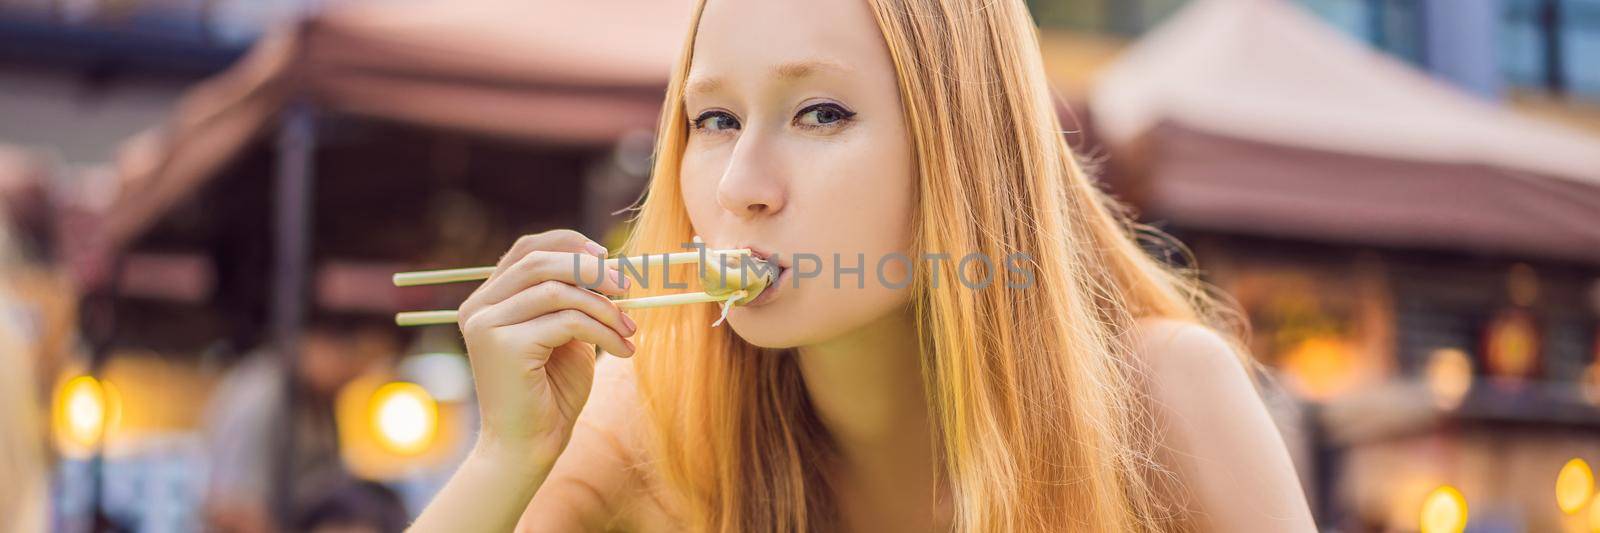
x: 1552, y: 45
x: 1580, y: 37
x: 1523, y: 54
x: 1394, y: 26
x: 1548, y: 45
x: 221, y: 23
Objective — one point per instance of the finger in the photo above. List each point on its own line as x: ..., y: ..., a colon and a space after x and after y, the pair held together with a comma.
x: 555, y: 240
x: 551, y: 240
x: 559, y: 240
x: 551, y: 296
x: 540, y: 266
x: 548, y: 332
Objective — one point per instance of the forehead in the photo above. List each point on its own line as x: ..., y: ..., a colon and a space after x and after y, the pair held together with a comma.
x: 786, y: 39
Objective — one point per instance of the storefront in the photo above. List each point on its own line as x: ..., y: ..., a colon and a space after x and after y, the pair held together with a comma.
x: 1421, y: 268
x: 365, y: 140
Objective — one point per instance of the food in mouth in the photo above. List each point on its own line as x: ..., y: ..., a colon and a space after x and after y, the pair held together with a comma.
x: 739, y: 279
x: 729, y: 275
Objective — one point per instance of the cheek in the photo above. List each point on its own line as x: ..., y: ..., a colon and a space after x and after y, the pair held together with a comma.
x: 863, y: 202
x: 864, y: 195
x: 697, y: 186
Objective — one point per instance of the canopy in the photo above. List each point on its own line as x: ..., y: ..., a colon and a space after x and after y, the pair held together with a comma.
x: 1254, y: 116
x: 548, y: 71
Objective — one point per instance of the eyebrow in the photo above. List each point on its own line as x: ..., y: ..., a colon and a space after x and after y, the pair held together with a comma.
x: 786, y: 72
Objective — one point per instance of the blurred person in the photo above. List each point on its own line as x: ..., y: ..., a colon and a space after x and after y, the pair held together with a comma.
x: 1109, y: 394
x: 41, y: 296
x: 246, y: 420
x: 23, y: 493
x: 25, y: 343
x: 354, y: 506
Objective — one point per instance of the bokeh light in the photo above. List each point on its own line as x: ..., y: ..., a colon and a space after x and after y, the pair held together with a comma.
x: 1574, y: 486
x: 1444, y: 511
x: 85, y: 410
x: 404, y: 417
x: 1321, y: 368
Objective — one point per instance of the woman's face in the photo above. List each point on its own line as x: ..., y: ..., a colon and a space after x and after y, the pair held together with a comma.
x: 797, y: 147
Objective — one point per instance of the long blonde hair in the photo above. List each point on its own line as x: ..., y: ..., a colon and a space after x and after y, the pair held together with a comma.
x: 1040, y: 422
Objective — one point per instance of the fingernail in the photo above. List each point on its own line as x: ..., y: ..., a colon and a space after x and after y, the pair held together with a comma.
x: 618, y: 279
x: 628, y: 321
x: 595, y: 249
x: 631, y: 347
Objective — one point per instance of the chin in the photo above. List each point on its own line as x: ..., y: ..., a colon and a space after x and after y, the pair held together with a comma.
x: 804, y: 319
x: 774, y: 327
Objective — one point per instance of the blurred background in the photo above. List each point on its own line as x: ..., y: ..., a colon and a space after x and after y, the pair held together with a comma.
x: 201, y: 203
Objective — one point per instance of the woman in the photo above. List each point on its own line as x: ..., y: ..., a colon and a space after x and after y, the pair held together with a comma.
x: 1094, y: 398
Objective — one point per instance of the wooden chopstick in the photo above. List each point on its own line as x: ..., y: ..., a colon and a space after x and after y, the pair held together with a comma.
x: 456, y: 275
x: 448, y: 316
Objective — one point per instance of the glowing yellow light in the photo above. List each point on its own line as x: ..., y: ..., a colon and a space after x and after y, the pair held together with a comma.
x: 1321, y: 367
x: 405, y: 417
x: 1444, y: 511
x: 85, y: 408
x: 1574, y: 486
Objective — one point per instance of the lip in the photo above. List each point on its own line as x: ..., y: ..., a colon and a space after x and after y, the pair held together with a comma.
x: 772, y: 290
x: 764, y: 255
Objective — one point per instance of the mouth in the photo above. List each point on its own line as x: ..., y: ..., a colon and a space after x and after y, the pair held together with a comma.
x: 760, y: 253
x: 778, y: 262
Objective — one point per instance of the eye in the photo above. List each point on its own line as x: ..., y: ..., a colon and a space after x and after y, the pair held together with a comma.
x: 822, y: 115
x: 715, y: 121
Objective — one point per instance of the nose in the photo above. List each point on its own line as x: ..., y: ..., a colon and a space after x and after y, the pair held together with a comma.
x: 753, y: 185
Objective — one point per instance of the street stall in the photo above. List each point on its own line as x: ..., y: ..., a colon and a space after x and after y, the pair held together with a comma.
x: 362, y: 140
x: 1419, y: 265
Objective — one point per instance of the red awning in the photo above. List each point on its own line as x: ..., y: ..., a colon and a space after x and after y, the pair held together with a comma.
x: 1253, y: 116
x: 546, y: 71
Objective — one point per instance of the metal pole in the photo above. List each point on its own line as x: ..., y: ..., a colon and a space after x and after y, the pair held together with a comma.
x: 1377, y: 27
x: 100, y: 309
x: 1325, y: 468
x: 292, y: 211
x: 1550, y: 22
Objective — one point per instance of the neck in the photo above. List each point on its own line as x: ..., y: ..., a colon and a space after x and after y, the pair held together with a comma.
x: 867, y: 390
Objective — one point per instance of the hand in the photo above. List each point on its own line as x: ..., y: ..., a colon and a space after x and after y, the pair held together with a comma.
x: 531, y: 330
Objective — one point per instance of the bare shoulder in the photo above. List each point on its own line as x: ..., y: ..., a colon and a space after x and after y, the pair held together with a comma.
x: 1192, y: 374
x: 1216, y: 432
x: 596, y: 484
x: 1171, y: 347
x: 1190, y: 371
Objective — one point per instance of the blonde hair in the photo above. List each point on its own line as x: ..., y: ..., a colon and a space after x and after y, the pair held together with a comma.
x: 1040, y: 422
